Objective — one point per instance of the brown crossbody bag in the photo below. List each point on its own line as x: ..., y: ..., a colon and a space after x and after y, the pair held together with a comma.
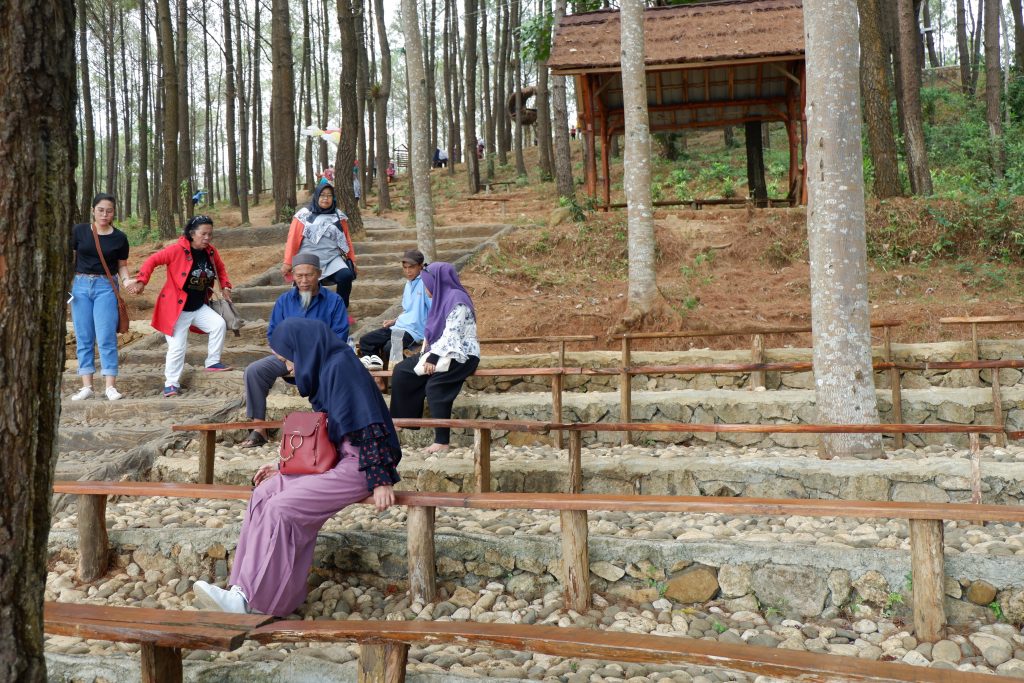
x: 123, y: 320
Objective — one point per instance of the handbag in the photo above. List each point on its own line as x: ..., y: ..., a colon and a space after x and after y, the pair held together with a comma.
x: 226, y: 309
x: 123, y: 319
x: 351, y: 266
x: 306, y: 447
x: 442, y: 364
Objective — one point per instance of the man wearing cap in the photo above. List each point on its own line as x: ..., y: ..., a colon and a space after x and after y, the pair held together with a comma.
x: 306, y: 299
x: 376, y: 346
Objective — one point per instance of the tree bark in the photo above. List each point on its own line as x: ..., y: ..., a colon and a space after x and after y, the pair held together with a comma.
x: 113, y: 139
x: 230, y: 97
x: 257, y: 105
x: 755, y: 163
x: 636, y: 179
x: 420, y: 152
x: 1018, y: 33
x: 37, y: 160
x: 517, y: 142
x: 243, y: 120
x: 169, y: 174
x: 186, y: 183
x: 543, y: 128
x: 382, y: 94
x: 307, y: 101
x: 994, y: 87
x: 917, y: 154
x: 485, y: 93
x: 962, y: 48
x: 126, y: 197
x: 469, y: 120
x: 875, y: 93
x: 282, y: 145
x: 500, y: 76
x: 350, y: 123
x: 840, y: 316
x: 89, y: 162
x: 208, y: 138
x: 560, y: 115
x: 362, y: 85
x: 933, y: 57
x: 976, y: 45
x: 145, y: 212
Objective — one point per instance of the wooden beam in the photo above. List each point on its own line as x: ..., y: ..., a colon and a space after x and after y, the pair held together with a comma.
x: 928, y: 574
x: 575, y: 462
x: 895, y: 383
x: 975, y: 354
x: 206, y: 454
x: 625, y: 390
x: 482, y: 459
x: 556, y: 406
x: 93, y: 544
x: 757, y: 377
x: 160, y: 664
x: 575, y: 560
x: 422, y: 567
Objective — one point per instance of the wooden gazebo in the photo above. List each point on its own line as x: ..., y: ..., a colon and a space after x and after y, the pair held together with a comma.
x: 709, y: 65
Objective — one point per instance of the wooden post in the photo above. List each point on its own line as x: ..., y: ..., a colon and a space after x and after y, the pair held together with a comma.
x: 975, y: 440
x: 160, y: 664
x: 556, y: 406
x: 575, y: 462
x: 422, y: 572
x: 382, y: 662
x: 625, y: 391
x: 976, y: 351
x: 997, y: 409
x: 895, y: 386
x: 757, y: 377
x: 575, y: 560
x: 209, y: 445
x: 482, y: 459
x: 928, y: 574
x: 93, y: 546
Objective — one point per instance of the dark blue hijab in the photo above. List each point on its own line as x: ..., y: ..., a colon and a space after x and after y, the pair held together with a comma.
x: 329, y: 374
x: 314, y: 204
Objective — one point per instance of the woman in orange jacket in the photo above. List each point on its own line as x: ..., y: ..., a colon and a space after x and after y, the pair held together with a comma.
x: 322, y: 229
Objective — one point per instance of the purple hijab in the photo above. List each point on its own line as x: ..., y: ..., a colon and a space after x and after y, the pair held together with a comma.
x: 446, y: 292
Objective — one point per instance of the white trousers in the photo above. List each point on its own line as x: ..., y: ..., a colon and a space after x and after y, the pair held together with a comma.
x: 207, y: 320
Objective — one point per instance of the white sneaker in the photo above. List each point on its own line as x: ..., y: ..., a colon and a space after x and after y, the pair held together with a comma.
x: 213, y: 598
x: 82, y: 394
x: 113, y: 394
x: 372, y: 362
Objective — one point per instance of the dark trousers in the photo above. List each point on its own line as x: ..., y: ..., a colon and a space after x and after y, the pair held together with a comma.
x: 259, y: 379
x: 378, y: 343
x: 440, y: 389
x: 343, y: 279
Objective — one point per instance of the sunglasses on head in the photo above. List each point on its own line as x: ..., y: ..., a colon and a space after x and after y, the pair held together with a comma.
x: 199, y: 220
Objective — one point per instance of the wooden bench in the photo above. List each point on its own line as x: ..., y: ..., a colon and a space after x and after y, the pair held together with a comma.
x: 161, y: 633
x: 488, y: 184
x: 384, y: 647
x: 925, y: 519
x: 502, y: 201
x: 974, y: 321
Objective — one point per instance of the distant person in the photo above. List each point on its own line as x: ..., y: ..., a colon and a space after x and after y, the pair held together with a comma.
x: 436, y: 162
x: 306, y: 299
x: 442, y: 158
x: 94, y: 310
x: 198, y: 197
x: 271, y: 565
x: 415, y: 306
x: 450, y: 354
x: 322, y: 229
x: 329, y: 174
x: 193, y: 265
x: 479, y: 149
x: 391, y: 172
x: 357, y: 185
x: 572, y: 133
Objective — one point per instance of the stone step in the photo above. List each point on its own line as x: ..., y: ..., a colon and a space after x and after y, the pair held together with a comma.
x: 361, y: 308
x: 236, y: 355
x: 391, y: 259
x: 440, y: 232
x: 146, y: 413
x: 259, y: 237
x: 396, y: 248
x: 103, y: 438
x: 361, y: 289
x: 136, y: 383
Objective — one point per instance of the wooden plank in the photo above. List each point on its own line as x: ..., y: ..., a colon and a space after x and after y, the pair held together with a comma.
x: 160, y: 664
x: 482, y: 459
x: 208, y: 448
x: 976, y: 355
x: 575, y: 560
x: 982, y: 320
x: 575, y: 462
x: 997, y: 410
x: 221, y: 426
x: 93, y: 545
x: 617, y: 646
x: 189, y: 636
x: 894, y: 383
x: 556, y: 406
x: 396, y: 658
x: 739, y: 331
x: 928, y: 573
x: 422, y: 568
x: 372, y: 662
x: 757, y: 377
x: 73, y: 611
x: 539, y: 340
x: 975, y: 442
x: 154, y: 488
x: 782, y: 428
x: 625, y: 391
x: 503, y: 425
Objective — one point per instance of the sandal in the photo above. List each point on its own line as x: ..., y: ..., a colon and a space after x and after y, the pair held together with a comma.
x: 254, y: 440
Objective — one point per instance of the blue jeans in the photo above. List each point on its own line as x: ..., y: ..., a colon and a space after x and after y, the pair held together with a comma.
x: 94, y: 313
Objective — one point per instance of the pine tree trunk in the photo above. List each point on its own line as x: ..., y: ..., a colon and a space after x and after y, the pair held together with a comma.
x: 113, y: 140
x: 145, y: 212
x: 282, y: 101
x: 469, y: 120
x: 543, y: 127
x: 362, y: 85
x: 485, y: 93
x: 186, y: 187
x: 307, y: 101
x: 517, y: 142
x: 257, y: 107
x: 209, y: 137
x: 1018, y: 33
x: 126, y: 197
x: 756, y: 186
x: 875, y: 93
x: 325, y: 79
x: 636, y: 180
x: 37, y: 159
x: 430, y: 62
x: 933, y: 57
x: 500, y: 77
x: 380, y: 102
x: 419, y: 150
x: 840, y: 315
x: 230, y: 97
x: 169, y: 174
x: 449, y: 106
x: 350, y: 123
x: 917, y: 155
x: 243, y: 120
x: 89, y: 162
x: 560, y: 115
x: 976, y: 44
x: 994, y: 87
x: 962, y: 47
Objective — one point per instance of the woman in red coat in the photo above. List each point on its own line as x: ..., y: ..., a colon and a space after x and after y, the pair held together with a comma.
x: 192, y: 266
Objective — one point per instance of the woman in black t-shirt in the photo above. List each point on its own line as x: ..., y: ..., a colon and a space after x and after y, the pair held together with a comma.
x: 93, y: 298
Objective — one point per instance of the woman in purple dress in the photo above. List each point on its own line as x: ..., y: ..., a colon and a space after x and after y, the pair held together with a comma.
x: 275, y: 550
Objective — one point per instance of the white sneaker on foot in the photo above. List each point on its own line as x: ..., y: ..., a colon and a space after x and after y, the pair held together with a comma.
x: 82, y: 394
x: 213, y: 598
x: 113, y: 394
x: 372, y: 362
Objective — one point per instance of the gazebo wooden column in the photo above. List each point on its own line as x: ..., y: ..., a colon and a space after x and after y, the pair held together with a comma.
x: 589, y: 155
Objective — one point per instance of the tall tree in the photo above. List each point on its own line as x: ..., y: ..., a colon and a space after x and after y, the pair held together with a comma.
x: 169, y: 174
x: 485, y: 92
x: 543, y: 127
x: 994, y: 87
x: 933, y: 57
x: 243, y: 120
x: 257, y: 103
x: 976, y: 43
x: 282, y: 115
x: 110, y: 83
x: 962, y: 47
x: 500, y: 76
x: 636, y: 180
x: 350, y: 122
x: 516, y: 10
x: 310, y: 94
x: 917, y: 154
x: 145, y: 212
x: 840, y: 315
x: 208, y: 137
x: 420, y: 150
x: 186, y: 182
x: 89, y: 162
x: 1018, y: 33
x: 875, y: 93
x: 362, y: 85
x: 37, y: 160
x: 560, y: 124
x: 469, y: 120
x: 381, y: 94
x: 230, y: 97
x: 126, y: 197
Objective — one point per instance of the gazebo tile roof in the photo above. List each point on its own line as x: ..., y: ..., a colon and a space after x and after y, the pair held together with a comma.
x: 727, y: 30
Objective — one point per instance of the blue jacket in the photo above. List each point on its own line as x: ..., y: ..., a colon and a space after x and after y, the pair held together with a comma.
x: 326, y: 307
x: 415, y: 306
